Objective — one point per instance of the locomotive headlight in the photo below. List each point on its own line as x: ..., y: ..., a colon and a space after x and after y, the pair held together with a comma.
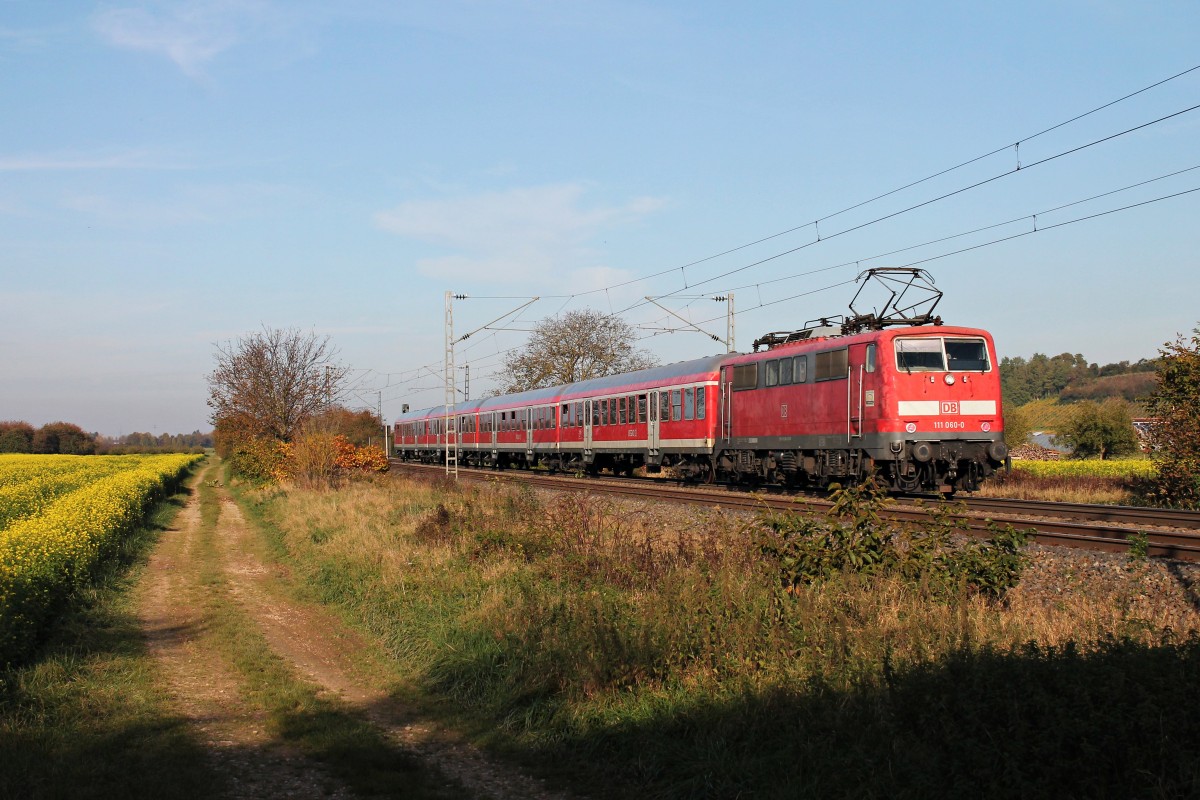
x: 949, y: 379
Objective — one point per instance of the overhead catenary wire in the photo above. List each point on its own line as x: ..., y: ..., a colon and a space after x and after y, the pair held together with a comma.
x: 889, y: 193
x: 823, y: 237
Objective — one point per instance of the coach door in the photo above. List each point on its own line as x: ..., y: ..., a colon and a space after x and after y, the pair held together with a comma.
x: 587, y: 425
x: 652, y: 423
x: 725, y: 407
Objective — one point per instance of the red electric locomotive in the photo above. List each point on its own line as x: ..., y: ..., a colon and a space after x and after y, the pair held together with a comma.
x: 897, y: 395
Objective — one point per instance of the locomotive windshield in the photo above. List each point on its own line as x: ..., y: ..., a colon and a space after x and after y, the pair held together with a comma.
x: 935, y: 354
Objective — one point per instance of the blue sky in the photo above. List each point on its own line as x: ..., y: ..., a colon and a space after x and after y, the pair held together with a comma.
x: 174, y: 175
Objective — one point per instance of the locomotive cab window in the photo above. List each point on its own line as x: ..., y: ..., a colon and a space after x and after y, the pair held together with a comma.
x: 920, y: 355
x: 870, y: 359
x: 967, y: 355
x: 935, y: 354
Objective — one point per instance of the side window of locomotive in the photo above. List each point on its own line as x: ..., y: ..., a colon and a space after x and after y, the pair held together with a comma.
x: 772, y: 373
x: 700, y: 391
x: 799, y: 369
x: 745, y: 376
x: 967, y: 355
x: 689, y: 403
x: 676, y: 405
x: 785, y: 372
x: 831, y: 365
x: 919, y: 355
x: 870, y: 365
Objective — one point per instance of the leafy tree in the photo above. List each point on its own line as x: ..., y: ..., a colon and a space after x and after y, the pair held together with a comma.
x: 1017, y: 426
x: 65, y: 438
x: 360, y: 428
x: 576, y: 346
x: 267, y: 384
x: 1176, y: 435
x: 16, y: 436
x: 1100, y: 429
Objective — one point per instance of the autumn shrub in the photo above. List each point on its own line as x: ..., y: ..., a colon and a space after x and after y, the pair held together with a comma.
x: 855, y: 538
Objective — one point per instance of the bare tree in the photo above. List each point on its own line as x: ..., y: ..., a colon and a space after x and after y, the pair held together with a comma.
x: 268, y: 383
x: 574, y: 347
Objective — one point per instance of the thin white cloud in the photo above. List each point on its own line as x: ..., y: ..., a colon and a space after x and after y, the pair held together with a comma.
x: 190, y: 34
x: 523, y: 233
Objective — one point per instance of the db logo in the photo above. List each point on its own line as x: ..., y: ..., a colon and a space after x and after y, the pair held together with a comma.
x: 783, y: 410
x: 950, y: 408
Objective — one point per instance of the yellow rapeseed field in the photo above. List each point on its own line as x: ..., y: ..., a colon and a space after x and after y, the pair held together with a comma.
x: 1089, y: 468
x: 59, y: 516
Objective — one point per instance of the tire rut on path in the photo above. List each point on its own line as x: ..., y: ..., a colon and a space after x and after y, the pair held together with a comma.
x: 206, y: 689
x: 309, y: 638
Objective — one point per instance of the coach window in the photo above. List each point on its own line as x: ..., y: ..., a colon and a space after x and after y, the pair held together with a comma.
x: 772, y: 373
x: 745, y: 376
x: 595, y: 404
x: 621, y: 403
x: 676, y: 405
x: 689, y: 403
x: 700, y: 392
x: 870, y: 365
x: 641, y: 408
x: 799, y: 369
x: 664, y: 406
x: 785, y: 372
x: 612, y: 411
x: 831, y: 365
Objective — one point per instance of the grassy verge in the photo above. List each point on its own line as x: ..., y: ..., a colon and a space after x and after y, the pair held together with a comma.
x: 326, y: 730
x: 657, y: 656
x: 87, y: 716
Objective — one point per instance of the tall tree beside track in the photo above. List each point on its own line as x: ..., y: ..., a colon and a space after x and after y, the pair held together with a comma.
x: 574, y: 347
x: 268, y: 383
x: 1176, y: 437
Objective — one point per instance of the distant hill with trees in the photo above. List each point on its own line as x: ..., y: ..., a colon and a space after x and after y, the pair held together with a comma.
x: 1070, y: 378
x: 65, y: 438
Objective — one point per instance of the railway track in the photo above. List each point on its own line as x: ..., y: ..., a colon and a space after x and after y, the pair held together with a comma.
x: 1170, y: 533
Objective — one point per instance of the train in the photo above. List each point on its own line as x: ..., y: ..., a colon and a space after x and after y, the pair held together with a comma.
x: 901, y: 397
